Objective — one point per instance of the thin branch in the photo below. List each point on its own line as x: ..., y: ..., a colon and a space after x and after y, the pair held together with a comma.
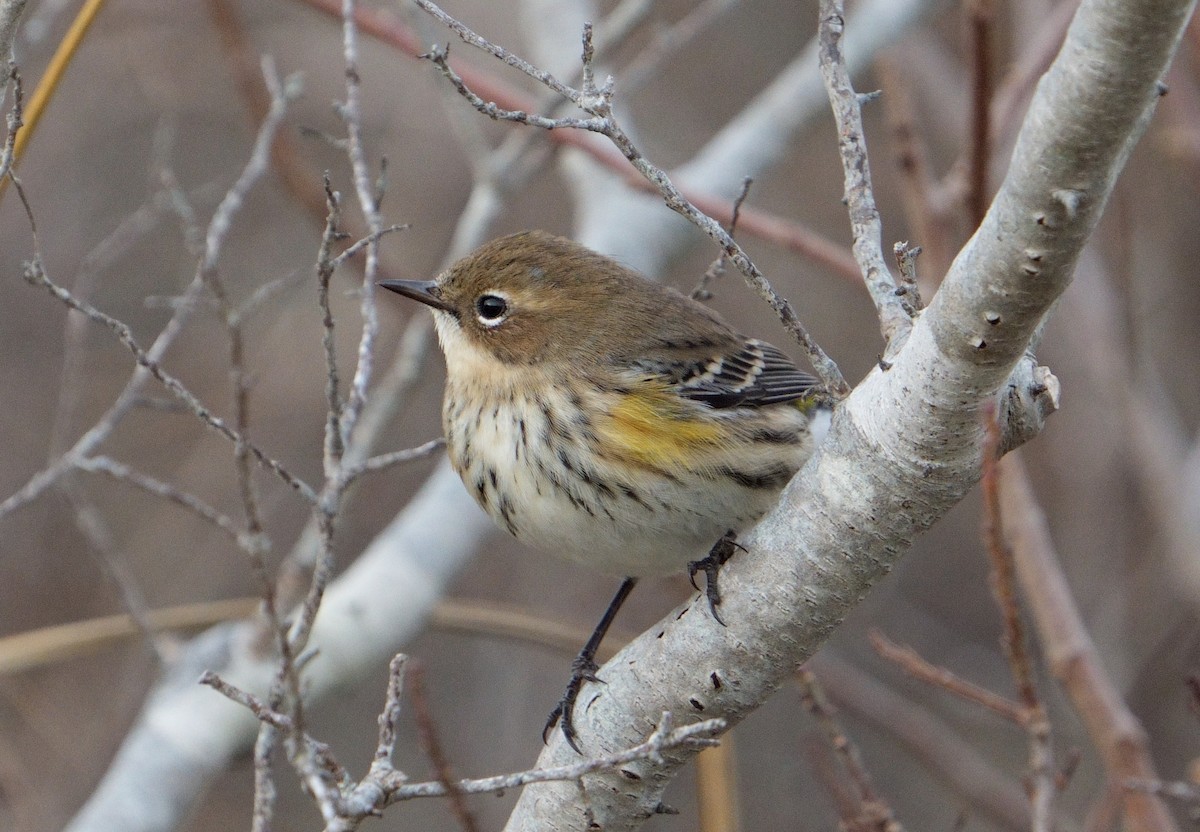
x: 717, y: 268
x: 344, y: 804
x: 873, y: 812
x: 248, y: 700
x: 664, y: 738
x: 1036, y: 721
x: 916, y: 666
x: 123, y: 473
x: 431, y: 744
x: 369, y: 197
x: 12, y: 121
x: 1003, y: 573
x: 932, y: 224
x: 334, y: 441
x: 218, y: 228
x: 382, y: 461
x: 933, y: 743
x: 866, y: 225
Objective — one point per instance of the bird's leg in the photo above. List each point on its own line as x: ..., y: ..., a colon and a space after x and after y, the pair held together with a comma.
x: 584, y: 668
x: 710, y: 565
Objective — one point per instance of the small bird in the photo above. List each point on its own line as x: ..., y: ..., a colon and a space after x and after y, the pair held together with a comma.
x: 607, y: 419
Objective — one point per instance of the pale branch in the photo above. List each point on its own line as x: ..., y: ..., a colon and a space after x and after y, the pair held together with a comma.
x: 334, y: 442
x: 345, y: 803
x: 665, y: 738
x: 894, y: 319
x: 218, y: 228
x: 12, y: 121
x: 597, y: 102
x: 10, y: 16
x: 370, y: 194
x: 282, y: 93
x: 123, y: 473
x: 382, y: 461
x: 904, y: 447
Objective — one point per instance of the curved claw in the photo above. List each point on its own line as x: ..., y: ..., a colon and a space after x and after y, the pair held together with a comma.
x: 711, y: 565
x: 583, y: 669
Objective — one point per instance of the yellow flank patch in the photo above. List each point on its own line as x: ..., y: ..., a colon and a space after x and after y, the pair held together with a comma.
x: 656, y: 429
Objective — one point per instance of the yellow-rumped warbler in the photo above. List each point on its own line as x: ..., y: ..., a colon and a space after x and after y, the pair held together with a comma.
x: 605, y: 418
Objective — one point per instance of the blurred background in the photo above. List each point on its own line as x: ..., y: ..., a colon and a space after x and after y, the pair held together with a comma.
x: 174, y: 86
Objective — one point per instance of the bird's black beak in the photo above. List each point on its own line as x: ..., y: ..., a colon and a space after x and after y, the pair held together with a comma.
x: 425, y: 291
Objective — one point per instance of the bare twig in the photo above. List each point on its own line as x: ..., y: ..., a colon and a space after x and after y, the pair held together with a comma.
x: 664, y: 738
x: 382, y: 461
x: 931, y: 741
x: 1003, y: 575
x: 248, y: 700
x: 344, y: 804
x: 13, y: 120
x: 1035, y: 720
x: 895, y: 322
x: 717, y: 268
x: 334, y: 441
x: 369, y: 193
x: 431, y: 744
x: 906, y: 262
x: 243, y: 61
x: 912, y: 663
x: 123, y: 473
x: 280, y: 95
x: 265, y: 793
x: 872, y: 811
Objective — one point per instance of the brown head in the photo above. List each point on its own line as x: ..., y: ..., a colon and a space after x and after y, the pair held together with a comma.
x: 532, y: 295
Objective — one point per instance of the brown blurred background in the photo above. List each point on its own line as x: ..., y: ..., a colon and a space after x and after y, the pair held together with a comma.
x: 155, y: 79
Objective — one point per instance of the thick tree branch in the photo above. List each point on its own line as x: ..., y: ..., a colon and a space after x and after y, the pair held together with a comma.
x: 905, y: 446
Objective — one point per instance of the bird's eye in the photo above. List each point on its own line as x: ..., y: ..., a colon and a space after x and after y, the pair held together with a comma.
x: 492, y: 309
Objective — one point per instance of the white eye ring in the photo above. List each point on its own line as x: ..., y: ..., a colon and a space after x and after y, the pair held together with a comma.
x: 491, y: 308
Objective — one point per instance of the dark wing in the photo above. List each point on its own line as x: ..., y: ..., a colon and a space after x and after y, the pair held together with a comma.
x: 748, y: 373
